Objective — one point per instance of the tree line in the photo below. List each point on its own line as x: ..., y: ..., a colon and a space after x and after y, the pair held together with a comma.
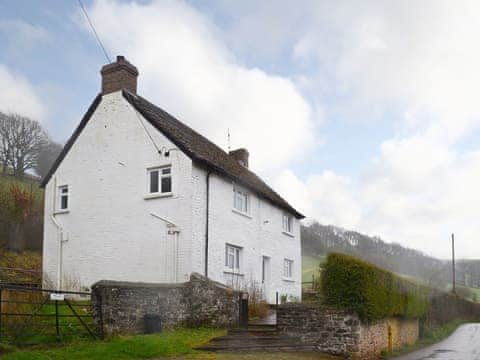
x: 319, y: 240
x: 25, y: 146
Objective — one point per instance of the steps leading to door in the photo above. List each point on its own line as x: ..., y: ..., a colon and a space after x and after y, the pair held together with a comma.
x: 256, y: 338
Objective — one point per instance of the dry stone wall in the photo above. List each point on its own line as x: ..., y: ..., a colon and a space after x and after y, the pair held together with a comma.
x: 120, y: 307
x: 340, y: 333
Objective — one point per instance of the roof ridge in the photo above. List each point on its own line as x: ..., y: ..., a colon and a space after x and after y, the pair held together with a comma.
x: 159, y: 118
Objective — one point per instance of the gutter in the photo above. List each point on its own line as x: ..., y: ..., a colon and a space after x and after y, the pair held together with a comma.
x: 207, y: 212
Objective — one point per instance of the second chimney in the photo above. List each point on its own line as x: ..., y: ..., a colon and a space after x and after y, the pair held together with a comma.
x: 119, y: 75
x: 241, y: 155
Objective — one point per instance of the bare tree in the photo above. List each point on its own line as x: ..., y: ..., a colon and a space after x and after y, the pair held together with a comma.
x: 46, y: 157
x: 21, y: 140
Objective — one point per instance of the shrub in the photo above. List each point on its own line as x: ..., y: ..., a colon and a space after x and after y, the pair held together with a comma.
x: 354, y: 285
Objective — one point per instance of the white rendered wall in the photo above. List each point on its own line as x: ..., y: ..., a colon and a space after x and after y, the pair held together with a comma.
x: 259, y: 234
x: 111, y: 232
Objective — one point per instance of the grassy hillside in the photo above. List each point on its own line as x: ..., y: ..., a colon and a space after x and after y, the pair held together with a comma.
x: 311, y: 266
x: 21, y: 213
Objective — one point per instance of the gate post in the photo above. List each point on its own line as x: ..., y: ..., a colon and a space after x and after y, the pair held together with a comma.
x: 243, y: 308
x: 1, y: 303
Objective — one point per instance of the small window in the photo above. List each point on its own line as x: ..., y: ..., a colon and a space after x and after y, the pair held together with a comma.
x: 288, y: 268
x: 160, y: 180
x: 63, y: 197
x: 287, y: 223
x: 240, y: 200
x: 232, y: 257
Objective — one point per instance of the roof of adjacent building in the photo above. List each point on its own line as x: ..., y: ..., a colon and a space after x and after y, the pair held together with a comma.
x: 193, y: 144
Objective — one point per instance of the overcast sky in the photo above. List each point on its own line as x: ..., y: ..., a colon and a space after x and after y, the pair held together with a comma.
x: 364, y: 114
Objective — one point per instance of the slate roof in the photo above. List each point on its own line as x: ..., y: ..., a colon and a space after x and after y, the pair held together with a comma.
x: 194, y: 145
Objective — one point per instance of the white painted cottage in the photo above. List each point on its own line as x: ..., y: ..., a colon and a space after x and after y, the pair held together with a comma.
x: 136, y: 195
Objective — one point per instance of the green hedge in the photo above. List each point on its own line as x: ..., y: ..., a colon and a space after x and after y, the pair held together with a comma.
x: 354, y: 285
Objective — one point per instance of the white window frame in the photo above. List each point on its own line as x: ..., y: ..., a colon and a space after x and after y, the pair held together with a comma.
x: 60, y: 195
x: 161, y: 176
x: 288, y: 268
x: 243, y: 206
x: 287, y: 223
x: 233, y: 258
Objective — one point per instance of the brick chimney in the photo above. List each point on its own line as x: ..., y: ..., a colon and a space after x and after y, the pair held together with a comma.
x: 241, y: 155
x: 119, y: 75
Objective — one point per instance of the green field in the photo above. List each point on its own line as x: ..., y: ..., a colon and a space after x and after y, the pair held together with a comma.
x: 310, y: 266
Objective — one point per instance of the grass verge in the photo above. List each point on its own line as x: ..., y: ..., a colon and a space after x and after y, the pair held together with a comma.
x: 170, y: 343
x: 430, y: 337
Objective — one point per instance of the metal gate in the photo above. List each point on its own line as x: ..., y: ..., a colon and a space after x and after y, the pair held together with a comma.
x: 31, y: 316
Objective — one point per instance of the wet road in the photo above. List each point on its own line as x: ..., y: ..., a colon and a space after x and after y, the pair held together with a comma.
x: 463, y: 344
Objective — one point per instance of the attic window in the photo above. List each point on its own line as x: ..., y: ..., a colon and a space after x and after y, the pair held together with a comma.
x: 160, y: 180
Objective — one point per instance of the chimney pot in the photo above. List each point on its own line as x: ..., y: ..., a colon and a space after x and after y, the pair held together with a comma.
x: 119, y: 75
x: 241, y: 155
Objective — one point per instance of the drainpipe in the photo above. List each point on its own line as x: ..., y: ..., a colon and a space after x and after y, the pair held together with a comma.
x: 207, y: 222
x: 59, y: 236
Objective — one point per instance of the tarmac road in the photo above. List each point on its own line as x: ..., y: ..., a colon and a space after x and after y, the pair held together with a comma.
x: 463, y: 344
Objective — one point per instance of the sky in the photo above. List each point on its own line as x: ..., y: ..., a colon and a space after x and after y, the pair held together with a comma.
x: 363, y: 115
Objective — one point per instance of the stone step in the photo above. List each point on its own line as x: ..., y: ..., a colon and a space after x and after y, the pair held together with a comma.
x: 261, y: 326
x: 277, y: 346
x: 254, y: 330
x: 240, y: 339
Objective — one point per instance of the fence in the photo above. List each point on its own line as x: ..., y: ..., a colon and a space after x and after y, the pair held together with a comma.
x: 30, y: 316
x: 309, y: 286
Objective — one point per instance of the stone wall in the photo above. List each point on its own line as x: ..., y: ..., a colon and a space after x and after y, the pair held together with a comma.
x: 387, y: 334
x: 120, y: 307
x: 340, y: 333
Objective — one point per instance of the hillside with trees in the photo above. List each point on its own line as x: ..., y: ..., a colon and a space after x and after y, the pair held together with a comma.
x: 319, y: 240
x: 26, y: 154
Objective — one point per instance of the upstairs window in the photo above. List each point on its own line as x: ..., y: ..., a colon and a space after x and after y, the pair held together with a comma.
x: 160, y: 180
x: 63, y: 197
x: 240, y: 200
x: 232, y: 257
x: 288, y: 268
x: 287, y: 223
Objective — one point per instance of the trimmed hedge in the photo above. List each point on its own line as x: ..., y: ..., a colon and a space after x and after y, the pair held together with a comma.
x: 354, y: 285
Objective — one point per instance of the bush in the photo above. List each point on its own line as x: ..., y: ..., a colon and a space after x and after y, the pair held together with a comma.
x: 372, y: 293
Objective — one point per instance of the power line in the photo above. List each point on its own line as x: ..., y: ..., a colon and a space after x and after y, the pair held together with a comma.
x: 94, y: 31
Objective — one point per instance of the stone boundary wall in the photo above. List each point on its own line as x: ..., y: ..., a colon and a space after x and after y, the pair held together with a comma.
x: 120, y: 307
x: 340, y: 333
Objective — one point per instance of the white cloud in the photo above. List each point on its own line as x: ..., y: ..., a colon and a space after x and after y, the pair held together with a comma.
x: 22, y: 35
x: 186, y: 69
x: 419, y: 60
x: 17, y: 95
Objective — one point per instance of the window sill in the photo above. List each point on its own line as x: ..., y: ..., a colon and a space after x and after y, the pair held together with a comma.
x: 288, y: 279
x: 241, y: 213
x: 288, y: 234
x: 230, y: 272
x: 66, y: 211
x: 157, y: 195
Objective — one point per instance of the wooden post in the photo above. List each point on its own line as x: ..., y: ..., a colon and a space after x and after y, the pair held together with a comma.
x: 453, y: 264
x: 1, y: 314
x: 57, y: 327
